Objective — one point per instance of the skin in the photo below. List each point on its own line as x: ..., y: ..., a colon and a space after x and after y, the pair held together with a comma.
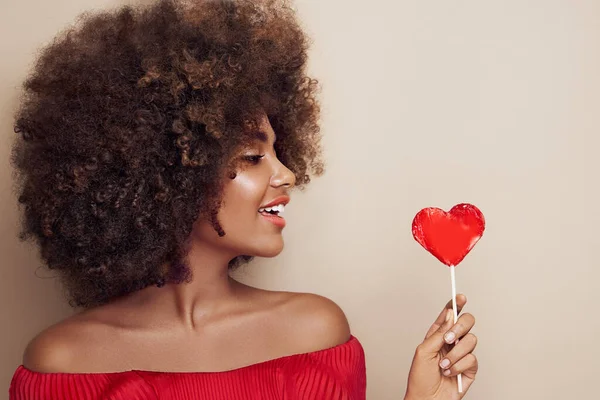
x: 217, y: 324
x: 213, y: 323
x: 428, y: 378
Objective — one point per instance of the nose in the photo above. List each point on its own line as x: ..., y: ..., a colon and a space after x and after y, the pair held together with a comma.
x: 283, y: 176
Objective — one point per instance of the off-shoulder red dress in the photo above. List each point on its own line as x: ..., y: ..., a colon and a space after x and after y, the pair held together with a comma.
x: 337, y: 373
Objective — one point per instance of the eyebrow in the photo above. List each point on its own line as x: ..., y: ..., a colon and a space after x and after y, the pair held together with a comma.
x: 262, y: 136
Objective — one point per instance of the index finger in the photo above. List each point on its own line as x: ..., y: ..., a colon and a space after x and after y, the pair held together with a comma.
x: 461, y: 300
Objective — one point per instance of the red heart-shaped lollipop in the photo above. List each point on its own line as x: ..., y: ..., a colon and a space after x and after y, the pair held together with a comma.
x: 449, y: 236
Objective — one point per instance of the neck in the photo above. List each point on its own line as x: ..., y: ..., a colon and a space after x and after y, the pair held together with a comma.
x: 211, y: 290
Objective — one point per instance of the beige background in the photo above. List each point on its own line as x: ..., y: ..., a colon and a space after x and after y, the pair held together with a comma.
x: 426, y: 103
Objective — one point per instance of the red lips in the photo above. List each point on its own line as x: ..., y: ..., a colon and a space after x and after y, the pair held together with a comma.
x: 278, y: 200
x: 449, y: 236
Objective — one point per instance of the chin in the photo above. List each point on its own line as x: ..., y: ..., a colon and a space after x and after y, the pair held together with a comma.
x: 270, y: 249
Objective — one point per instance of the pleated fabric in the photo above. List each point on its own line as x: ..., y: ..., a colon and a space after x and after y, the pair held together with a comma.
x: 338, y: 373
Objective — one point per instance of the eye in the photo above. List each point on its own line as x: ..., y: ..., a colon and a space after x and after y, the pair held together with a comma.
x: 254, y: 159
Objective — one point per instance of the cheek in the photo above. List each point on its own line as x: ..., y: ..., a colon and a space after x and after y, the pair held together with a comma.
x: 243, y: 193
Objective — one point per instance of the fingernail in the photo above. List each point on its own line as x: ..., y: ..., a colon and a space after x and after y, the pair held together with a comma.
x: 445, y: 362
x: 446, y: 372
x: 449, y: 337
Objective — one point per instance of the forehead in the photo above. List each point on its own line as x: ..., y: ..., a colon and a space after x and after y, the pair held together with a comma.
x: 264, y: 133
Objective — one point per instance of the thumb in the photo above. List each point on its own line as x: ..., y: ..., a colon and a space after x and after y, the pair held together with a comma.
x: 434, y: 343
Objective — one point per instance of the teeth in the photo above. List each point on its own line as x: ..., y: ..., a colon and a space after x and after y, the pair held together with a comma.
x: 278, y: 208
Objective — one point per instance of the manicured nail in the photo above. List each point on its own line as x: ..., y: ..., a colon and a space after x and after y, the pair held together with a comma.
x: 445, y: 362
x: 449, y: 337
x: 447, y: 372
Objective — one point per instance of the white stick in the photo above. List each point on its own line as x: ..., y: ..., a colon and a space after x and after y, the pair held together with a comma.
x: 455, y: 309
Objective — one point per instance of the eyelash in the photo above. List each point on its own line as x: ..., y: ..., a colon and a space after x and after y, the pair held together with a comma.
x: 254, y: 159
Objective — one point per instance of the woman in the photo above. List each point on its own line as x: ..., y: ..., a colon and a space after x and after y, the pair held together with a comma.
x: 158, y: 149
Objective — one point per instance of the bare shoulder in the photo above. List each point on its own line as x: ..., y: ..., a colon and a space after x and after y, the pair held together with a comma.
x: 317, y: 322
x: 60, y: 347
x: 51, y: 350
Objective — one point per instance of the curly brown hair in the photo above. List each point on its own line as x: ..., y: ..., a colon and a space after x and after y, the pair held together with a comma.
x: 131, y: 118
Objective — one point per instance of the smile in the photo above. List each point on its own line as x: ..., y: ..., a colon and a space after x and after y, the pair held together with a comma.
x: 275, y: 210
x: 273, y: 214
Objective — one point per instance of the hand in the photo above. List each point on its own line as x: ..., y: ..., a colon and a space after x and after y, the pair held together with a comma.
x: 427, y: 380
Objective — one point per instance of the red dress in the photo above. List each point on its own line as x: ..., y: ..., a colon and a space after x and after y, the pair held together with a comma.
x: 337, y: 373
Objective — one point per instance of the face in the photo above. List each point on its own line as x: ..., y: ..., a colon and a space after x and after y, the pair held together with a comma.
x: 250, y: 229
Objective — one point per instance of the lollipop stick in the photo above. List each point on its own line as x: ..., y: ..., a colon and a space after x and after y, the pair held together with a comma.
x: 455, y: 309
